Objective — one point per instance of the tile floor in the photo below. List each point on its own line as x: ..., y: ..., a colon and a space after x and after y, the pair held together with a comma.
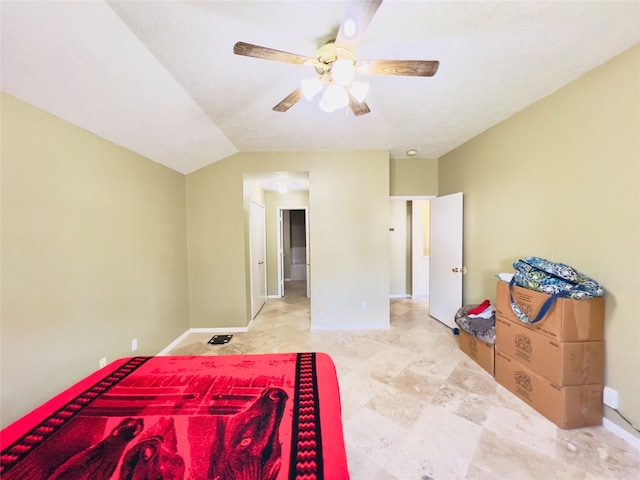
x: 416, y: 408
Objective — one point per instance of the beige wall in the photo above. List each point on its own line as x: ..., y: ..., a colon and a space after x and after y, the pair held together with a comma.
x: 93, y: 255
x: 413, y: 176
x: 349, y: 243
x: 561, y: 180
x: 216, y: 211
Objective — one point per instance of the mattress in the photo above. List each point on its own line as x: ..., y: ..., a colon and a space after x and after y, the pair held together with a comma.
x: 262, y: 417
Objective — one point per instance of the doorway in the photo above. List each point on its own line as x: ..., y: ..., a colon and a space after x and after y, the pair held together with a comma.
x: 293, y: 250
x: 410, y: 256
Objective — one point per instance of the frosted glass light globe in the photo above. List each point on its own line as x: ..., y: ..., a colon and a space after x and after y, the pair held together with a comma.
x: 334, y: 97
x: 342, y: 71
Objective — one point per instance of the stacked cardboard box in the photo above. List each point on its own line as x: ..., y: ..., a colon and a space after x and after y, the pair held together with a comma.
x: 557, y: 364
x: 481, y: 352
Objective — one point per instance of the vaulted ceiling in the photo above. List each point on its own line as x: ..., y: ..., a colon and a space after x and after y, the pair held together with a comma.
x: 161, y: 79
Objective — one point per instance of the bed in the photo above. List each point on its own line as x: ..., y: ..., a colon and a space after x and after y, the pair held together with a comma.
x: 259, y: 417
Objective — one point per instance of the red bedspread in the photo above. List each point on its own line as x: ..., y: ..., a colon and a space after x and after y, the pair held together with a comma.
x: 259, y: 417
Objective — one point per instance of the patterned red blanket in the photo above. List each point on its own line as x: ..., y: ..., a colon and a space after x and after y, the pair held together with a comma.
x: 259, y: 417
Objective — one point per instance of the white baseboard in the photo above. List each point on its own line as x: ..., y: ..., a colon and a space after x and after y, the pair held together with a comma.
x: 173, y: 344
x: 350, y: 326
x: 399, y: 295
x: 419, y: 297
x: 621, y: 432
x: 177, y: 341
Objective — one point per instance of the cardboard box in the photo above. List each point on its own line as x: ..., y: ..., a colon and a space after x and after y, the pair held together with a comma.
x: 564, y: 363
x: 480, y: 351
x: 567, y: 320
x: 567, y: 407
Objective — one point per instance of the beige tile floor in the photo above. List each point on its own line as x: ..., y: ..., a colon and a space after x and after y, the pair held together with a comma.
x: 416, y: 408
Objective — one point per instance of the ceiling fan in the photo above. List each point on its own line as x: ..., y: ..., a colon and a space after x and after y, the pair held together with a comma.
x: 335, y: 64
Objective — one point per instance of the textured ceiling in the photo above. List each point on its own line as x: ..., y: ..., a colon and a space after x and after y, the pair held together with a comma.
x: 160, y: 78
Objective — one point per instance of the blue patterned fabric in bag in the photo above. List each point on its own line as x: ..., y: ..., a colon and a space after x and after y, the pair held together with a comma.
x: 553, y: 278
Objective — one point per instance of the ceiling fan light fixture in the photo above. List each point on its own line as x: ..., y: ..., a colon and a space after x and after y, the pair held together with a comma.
x: 335, y: 63
x: 310, y: 87
x: 334, y: 97
x: 342, y: 71
x: 359, y: 90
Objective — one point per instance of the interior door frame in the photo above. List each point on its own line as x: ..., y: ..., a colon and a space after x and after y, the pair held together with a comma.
x: 280, y: 232
x: 414, y: 257
x: 253, y: 258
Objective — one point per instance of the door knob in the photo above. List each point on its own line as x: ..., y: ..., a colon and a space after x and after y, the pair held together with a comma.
x: 462, y: 270
x: 260, y: 262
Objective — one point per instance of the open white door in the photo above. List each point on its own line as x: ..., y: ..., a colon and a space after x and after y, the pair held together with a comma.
x: 257, y: 256
x: 445, y: 266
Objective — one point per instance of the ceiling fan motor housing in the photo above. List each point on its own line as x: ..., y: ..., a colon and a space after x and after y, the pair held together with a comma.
x: 327, y: 56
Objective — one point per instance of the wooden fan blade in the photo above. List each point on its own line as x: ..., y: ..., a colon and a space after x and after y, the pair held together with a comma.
x: 358, y: 108
x: 410, y: 68
x: 289, y: 101
x: 257, y: 51
x: 356, y: 20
